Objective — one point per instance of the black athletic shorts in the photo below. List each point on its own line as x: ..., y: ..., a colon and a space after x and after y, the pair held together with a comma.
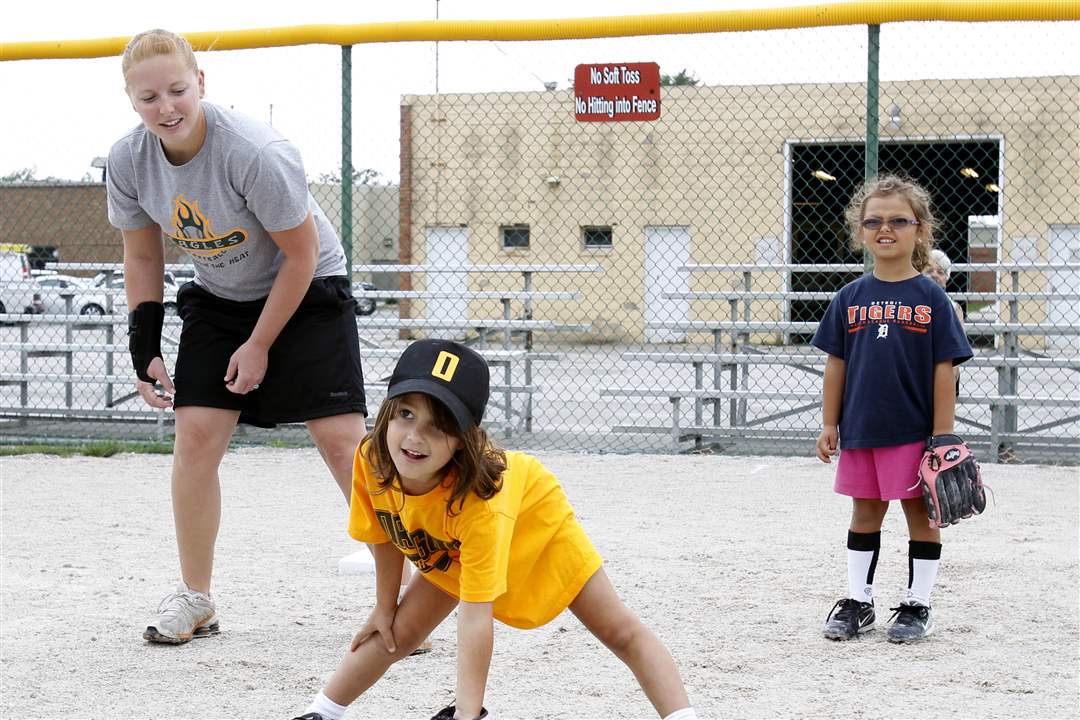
x: 313, y: 368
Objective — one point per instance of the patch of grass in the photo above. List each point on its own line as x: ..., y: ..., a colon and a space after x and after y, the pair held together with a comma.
x: 102, y: 448
x: 289, y: 444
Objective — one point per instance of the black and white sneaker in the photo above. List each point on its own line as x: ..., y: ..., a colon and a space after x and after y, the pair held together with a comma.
x: 309, y: 716
x: 913, y: 622
x: 848, y: 618
x: 447, y: 713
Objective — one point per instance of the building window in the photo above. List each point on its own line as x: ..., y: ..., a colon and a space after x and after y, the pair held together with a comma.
x: 514, y: 237
x: 596, y: 237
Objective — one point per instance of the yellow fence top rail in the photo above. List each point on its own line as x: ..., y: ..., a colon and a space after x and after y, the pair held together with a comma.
x: 850, y: 13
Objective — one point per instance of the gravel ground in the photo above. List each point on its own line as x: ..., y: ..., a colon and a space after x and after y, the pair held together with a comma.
x: 734, y: 562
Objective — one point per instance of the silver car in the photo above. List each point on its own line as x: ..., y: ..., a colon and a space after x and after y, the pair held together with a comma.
x: 113, y: 285
x: 19, y: 290
x: 89, y: 299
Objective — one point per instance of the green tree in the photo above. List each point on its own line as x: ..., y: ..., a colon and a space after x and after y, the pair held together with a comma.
x: 19, y: 176
x: 683, y: 77
x: 360, y: 176
x: 29, y: 175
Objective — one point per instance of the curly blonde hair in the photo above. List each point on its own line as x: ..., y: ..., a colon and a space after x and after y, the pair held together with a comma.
x: 913, y: 194
x: 152, y: 43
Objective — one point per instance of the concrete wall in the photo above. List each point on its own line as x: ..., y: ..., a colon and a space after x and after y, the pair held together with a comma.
x: 375, y: 222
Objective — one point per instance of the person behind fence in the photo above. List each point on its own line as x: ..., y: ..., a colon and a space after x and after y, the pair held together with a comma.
x: 892, y: 339
x: 269, y: 333
x: 939, y: 269
x: 491, y: 532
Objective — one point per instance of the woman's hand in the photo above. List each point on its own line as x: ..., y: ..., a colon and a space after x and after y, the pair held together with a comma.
x: 247, y: 368
x: 153, y: 397
x: 826, y: 443
x: 380, y: 621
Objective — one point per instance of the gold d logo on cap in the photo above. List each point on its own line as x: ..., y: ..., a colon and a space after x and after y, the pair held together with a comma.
x: 445, y: 366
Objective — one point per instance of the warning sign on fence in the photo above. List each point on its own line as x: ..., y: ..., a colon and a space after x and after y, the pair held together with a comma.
x: 617, y: 92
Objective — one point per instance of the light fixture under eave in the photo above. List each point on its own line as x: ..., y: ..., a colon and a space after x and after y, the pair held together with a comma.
x: 969, y: 172
x: 993, y: 187
x: 822, y: 175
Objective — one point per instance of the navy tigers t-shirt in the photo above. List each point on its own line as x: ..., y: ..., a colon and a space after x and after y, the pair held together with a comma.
x: 890, y: 336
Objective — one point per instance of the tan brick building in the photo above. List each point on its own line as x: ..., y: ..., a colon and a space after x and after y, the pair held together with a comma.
x: 722, y: 168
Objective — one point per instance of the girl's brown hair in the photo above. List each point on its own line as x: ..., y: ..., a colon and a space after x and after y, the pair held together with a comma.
x: 913, y: 194
x: 152, y: 43
x: 478, y: 461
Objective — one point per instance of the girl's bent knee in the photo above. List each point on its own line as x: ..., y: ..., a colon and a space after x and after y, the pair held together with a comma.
x: 622, y: 636
x: 402, y: 651
x: 375, y: 647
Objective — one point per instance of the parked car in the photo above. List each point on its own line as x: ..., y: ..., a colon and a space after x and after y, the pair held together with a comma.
x: 19, y: 291
x: 116, y: 279
x: 364, y: 305
x: 113, y: 284
x: 56, y: 289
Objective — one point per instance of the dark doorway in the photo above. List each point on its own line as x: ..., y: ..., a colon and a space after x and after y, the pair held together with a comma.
x: 818, y: 231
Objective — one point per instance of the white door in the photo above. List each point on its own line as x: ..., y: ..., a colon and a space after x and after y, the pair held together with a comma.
x: 1064, y: 248
x: 667, y: 247
x: 446, y: 247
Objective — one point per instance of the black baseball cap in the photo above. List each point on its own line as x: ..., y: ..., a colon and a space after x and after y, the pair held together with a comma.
x: 447, y: 371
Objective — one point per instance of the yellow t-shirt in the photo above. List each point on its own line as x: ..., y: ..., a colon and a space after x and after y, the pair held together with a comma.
x: 523, y: 549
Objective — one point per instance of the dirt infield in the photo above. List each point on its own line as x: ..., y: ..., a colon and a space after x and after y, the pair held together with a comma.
x: 733, y: 561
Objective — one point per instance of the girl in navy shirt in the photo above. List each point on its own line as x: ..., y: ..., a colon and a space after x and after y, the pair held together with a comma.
x: 893, y: 339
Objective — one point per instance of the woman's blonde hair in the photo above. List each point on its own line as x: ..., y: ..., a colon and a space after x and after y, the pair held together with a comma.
x: 913, y: 194
x: 152, y: 43
x: 479, y: 462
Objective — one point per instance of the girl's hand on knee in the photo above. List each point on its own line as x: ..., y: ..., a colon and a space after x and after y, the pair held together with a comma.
x: 826, y: 443
x: 380, y: 621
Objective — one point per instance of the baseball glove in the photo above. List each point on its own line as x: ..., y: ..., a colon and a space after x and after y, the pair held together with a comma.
x: 951, y: 482
x: 447, y: 713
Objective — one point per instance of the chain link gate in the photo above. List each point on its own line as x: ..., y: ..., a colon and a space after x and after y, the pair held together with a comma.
x: 643, y: 286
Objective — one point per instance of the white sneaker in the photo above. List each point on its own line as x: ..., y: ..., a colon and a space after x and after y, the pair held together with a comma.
x: 181, y: 616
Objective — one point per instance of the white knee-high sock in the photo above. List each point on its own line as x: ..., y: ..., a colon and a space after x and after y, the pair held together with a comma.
x: 326, y: 707
x: 862, y: 558
x: 923, y: 560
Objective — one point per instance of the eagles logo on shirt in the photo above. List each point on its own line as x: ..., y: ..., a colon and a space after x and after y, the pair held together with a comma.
x: 193, y: 234
x: 424, y: 551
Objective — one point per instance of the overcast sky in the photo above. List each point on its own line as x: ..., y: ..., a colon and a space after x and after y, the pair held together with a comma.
x: 60, y: 114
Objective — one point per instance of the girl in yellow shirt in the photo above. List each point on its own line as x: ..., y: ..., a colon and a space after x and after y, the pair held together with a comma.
x: 491, y: 533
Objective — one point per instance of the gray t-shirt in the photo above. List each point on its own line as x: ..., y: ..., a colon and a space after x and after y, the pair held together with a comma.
x: 220, y: 206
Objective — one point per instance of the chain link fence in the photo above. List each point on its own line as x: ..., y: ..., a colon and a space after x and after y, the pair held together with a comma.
x: 640, y: 286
